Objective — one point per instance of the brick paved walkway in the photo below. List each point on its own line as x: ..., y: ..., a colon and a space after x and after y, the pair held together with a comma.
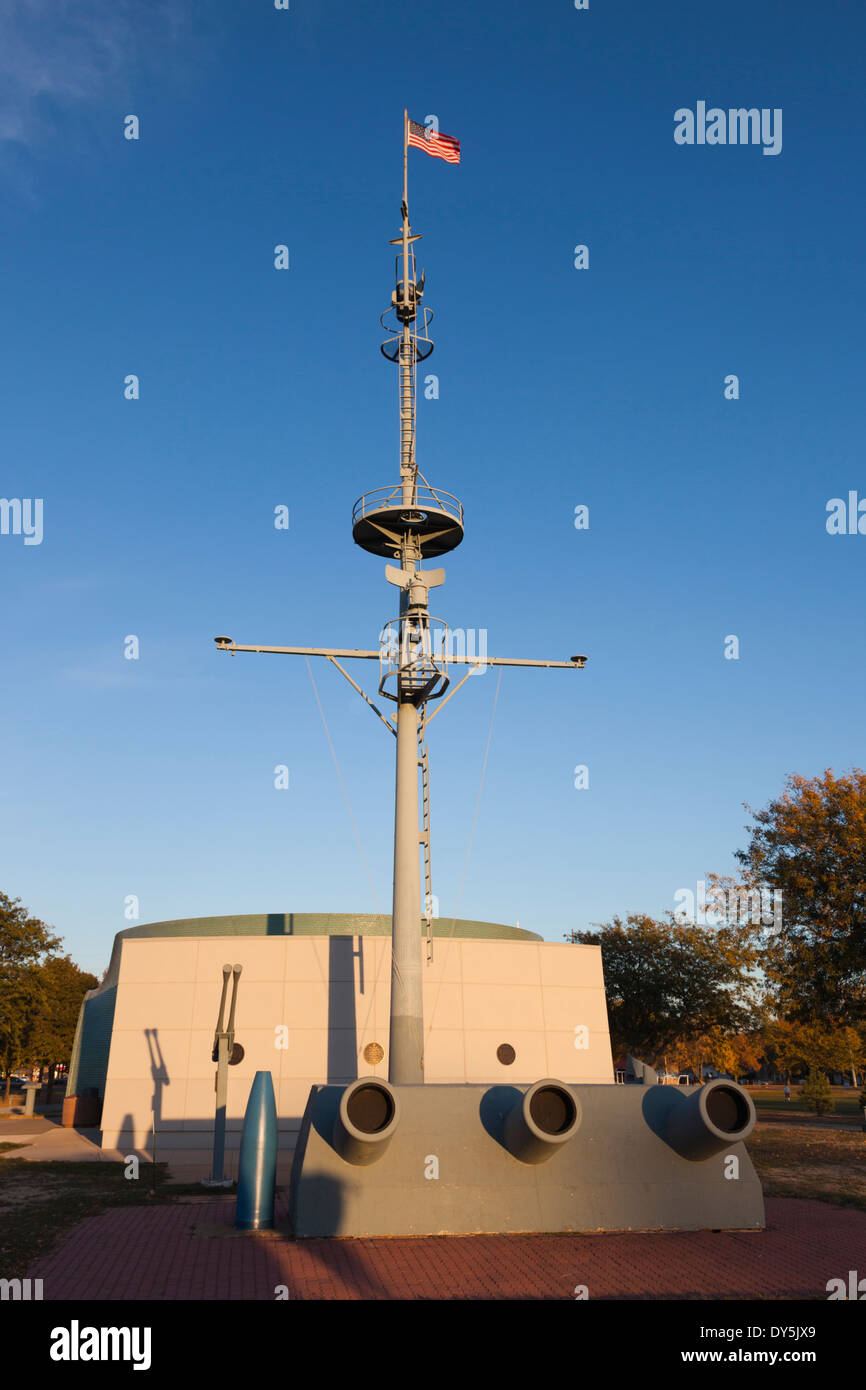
x: 190, y: 1251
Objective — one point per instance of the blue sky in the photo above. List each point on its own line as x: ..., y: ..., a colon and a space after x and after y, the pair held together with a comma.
x: 558, y: 387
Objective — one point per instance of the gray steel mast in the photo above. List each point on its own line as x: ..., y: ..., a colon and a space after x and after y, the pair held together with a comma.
x: 408, y: 522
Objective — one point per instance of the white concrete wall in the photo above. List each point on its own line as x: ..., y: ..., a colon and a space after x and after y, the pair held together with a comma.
x: 477, y: 994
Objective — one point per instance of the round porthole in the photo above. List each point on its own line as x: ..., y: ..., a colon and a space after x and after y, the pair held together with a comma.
x: 505, y: 1054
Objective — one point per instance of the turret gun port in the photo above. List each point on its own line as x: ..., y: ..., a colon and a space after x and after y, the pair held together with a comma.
x: 366, y: 1121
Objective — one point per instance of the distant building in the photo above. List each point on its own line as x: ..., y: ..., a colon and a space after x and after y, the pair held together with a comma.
x: 630, y: 1071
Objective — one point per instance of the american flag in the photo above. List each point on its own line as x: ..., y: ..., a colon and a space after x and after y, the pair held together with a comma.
x: 442, y: 146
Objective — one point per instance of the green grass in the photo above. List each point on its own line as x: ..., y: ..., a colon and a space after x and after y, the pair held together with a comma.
x: 39, y: 1202
x: 771, y: 1099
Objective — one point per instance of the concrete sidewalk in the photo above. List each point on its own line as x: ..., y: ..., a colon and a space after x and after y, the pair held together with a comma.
x: 50, y: 1143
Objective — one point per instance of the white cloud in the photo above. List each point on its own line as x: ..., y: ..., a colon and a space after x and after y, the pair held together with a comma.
x: 64, y: 53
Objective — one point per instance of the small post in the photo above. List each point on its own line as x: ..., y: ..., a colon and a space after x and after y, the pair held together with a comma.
x: 153, y: 1153
x: 223, y: 1044
x: 219, y: 1133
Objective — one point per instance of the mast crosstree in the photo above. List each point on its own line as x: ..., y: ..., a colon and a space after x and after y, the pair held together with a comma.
x: 408, y: 522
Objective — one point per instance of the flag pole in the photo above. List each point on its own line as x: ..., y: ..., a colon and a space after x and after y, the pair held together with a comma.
x: 405, y: 208
x: 407, y: 427
x: 406, y: 1028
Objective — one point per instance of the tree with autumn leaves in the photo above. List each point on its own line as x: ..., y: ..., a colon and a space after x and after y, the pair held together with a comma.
x: 796, y: 1048
x: 810, y: 845
x: 791, y: 989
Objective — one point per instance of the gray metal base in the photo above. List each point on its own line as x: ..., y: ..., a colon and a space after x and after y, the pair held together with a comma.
x: 451, y: 1159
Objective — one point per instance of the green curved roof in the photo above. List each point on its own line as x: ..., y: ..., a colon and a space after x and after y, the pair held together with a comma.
x: 321, y: 924
x: 309, y: 924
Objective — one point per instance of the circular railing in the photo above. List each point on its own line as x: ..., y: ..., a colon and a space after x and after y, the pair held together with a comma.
x: 390, y: 499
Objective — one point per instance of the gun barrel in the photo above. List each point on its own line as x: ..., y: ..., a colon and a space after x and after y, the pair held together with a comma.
x: 709, y: 1120
x: 366, y: 1120
x: 236, y: 974
x: 545, y: 1118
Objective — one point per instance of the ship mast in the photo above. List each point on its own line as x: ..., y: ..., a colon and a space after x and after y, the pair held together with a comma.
x: 408, y: 522
x: 422, y: 523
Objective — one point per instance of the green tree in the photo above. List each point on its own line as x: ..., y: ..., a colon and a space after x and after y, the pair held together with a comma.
x: 24, y: 942
x: 816, y: 1093
x: 828, y: 1047
x: 810, y: 845
x: 51, y: 1031
x: 666, y: 981
x: 782, y: 1047
x: 816, y: 1046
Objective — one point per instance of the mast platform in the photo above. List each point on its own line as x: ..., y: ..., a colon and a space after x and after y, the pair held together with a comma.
x: 381, y: 519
